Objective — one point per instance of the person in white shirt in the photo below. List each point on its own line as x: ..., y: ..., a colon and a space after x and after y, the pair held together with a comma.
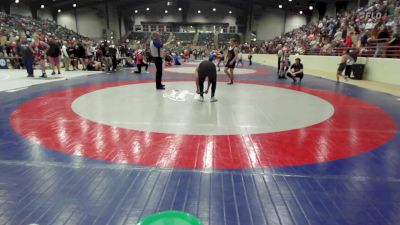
x: 65, y: 57
x: 156, y: 46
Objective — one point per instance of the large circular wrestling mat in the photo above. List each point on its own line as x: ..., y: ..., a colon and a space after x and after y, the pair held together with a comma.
x: 135, y: 126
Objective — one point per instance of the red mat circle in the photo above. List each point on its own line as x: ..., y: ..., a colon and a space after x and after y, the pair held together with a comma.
x: 355, y: 128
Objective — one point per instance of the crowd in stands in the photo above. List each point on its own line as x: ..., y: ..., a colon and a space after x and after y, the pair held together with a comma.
x: 26, y: 42
x: 223, y: 38
x: 140, y: 37
x: 371, y: 30
x: 206, y: 39
x: 12, y: 26
x: 184, y: 38
x: 165, y: 36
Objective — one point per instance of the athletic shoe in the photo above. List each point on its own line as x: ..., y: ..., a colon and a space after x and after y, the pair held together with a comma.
x: 59, y: 72
x: 201, y: 99
x: 53, y: 73
x: 147, y: 72
x: 230, y: 83
x: 213, y: 99
x: 43, y: 76
x: 160, y: 88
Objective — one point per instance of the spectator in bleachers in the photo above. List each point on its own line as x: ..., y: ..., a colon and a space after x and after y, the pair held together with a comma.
x: 331, y: 33
x: 383, y: 38
x: 349, y: 40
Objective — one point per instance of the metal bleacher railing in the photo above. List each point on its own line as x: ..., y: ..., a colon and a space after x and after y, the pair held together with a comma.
x: 374, y: 48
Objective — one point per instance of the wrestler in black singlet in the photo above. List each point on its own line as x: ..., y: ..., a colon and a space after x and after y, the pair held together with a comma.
x: 231, y: 55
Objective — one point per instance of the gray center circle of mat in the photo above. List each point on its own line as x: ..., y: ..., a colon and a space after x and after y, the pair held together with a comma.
x: 241, y: 109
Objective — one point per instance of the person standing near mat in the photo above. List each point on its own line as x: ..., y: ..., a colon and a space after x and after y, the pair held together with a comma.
x: 39, y: 49
x: 279, y: 54
x: 231, y: 58
x: 24, y: 51
x: 342, y: 65
x: 65, y: 57
x: 250, y: 57
x: 53, y: 55
x: 206, y: 69
x: 156, y: 46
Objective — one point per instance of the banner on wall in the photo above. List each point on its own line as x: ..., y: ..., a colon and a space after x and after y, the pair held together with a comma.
x: 3, y: 63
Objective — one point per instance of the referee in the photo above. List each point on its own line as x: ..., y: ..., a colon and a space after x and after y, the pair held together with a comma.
x: 156, y: 51
x: 206, y: 69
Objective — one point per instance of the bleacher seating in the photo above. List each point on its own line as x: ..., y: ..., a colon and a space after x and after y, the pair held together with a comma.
x: 206, y: 39
x: 224, y: 38
x: 184, y: 38
x: 165, y: 37
x: 352, y: 29
x: 139, y: 36
x: 15, y: 25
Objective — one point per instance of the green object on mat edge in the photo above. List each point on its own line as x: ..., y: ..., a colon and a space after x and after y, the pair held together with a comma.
x: 170, y: 218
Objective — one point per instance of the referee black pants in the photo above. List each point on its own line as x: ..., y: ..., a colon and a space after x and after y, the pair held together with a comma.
x: 158, y: 63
